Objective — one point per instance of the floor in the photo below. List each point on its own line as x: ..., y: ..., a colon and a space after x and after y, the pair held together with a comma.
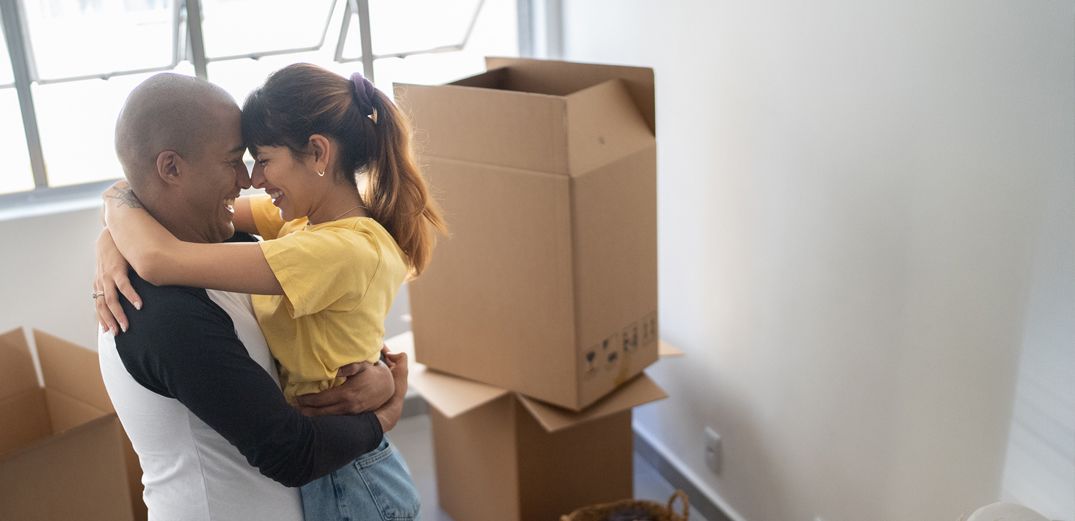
x: 414, y: 438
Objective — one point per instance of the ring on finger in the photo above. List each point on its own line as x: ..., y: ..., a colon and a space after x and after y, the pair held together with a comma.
x: 97, y: 294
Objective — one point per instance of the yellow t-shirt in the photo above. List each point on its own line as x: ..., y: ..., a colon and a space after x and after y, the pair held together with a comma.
x: 339, y: 280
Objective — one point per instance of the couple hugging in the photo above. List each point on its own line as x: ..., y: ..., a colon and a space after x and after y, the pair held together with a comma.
x: 265, y: 395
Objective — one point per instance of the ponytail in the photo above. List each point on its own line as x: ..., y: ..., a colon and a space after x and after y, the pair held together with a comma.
x: 397, y: 195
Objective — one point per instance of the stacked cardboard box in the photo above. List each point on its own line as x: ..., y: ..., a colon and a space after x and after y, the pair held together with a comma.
x: 63, y: 452
x: 542, y: 304
x: 547, y: 173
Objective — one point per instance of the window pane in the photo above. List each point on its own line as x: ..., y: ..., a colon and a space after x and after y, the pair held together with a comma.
x: 77, y: 121
x: 84, y: 37
x: 396, y: 30
x: 416, y: 25
x: 240, y: 27
x: 15, y: 173
x: 495, y: 34
x: 6, y: 75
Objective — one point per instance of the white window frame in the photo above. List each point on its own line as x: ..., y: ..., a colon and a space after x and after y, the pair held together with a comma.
x: 539, y: 29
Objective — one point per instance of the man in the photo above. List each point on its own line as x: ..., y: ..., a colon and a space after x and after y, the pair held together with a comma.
x: 191, y: 377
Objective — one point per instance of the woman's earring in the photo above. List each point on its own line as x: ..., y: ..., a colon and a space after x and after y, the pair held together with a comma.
x: 321, y: 173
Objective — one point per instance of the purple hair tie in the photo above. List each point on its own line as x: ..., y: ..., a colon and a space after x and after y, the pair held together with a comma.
x: 364, y: 93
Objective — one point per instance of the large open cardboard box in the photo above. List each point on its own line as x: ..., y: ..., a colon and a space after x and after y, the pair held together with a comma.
x: 63, y: 452
x: 547, y: 174
x: 502, y: 456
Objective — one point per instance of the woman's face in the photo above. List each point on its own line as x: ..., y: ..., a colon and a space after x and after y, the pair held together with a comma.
x: 286, y: 179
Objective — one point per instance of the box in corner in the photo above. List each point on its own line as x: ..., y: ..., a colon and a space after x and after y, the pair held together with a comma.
x: 547, y: 174
x: 63, y: 452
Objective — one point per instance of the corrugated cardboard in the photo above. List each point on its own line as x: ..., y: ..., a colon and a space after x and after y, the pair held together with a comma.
x: 547, y: 174
x: 505, y: 457
x: 63, y: 453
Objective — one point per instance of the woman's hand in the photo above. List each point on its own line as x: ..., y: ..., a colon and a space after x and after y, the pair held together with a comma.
x: 109, y: 282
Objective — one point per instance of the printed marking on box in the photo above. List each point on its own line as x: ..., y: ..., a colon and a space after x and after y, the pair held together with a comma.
x: 649, y: 329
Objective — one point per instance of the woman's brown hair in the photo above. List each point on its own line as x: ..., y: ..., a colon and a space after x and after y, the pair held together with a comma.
x: 374, y: 136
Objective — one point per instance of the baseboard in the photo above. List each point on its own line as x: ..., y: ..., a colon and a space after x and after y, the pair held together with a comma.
x: 703, y: 499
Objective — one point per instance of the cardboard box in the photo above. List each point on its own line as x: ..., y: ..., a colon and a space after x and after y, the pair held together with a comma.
x: 547, y: 174
x: 502, y: 456
x: 63, y: 452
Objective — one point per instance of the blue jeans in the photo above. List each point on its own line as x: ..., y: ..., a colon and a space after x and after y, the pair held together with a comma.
x: 375, y: 487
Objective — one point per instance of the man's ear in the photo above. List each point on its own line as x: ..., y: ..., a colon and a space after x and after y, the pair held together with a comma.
x: 169, y: 166
x: 320, y: 148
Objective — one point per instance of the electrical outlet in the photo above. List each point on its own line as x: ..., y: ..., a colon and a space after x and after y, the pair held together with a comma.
x: 712, y: 450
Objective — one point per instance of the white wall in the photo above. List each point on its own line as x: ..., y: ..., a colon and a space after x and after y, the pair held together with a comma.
x: 47, y: 268
x: 1041, y: 444
x: 851, y: 199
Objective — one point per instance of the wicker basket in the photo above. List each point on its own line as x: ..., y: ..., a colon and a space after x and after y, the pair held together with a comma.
x: 633, y: 510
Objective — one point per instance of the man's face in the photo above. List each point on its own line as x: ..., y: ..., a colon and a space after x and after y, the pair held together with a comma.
x: 218, y: 175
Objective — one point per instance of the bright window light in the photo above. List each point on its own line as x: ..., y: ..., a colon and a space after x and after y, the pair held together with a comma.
x: 241, y: 27
x: 6, y: 75
x: 81, y: 38
x: 15, y: 173
x: 77, y: 121
x: 78, y: 48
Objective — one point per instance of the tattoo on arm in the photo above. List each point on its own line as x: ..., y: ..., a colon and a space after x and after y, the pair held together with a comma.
x: 124, y: 196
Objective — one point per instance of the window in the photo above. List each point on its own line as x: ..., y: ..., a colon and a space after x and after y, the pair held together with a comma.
x: 81, y: 38
x: 400, y: 31
x: 84, y: 56
x: 243, y: 28
x: 447, y: 41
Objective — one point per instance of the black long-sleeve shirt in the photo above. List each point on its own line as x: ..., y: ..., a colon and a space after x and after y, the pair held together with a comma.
x: 182, y: 345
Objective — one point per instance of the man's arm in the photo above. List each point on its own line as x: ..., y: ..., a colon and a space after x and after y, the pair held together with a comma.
x: 181, y: 345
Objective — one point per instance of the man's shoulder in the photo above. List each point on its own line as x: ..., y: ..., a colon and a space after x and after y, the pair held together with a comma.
x: 166, y: 309
x: 169, y: 337
x: 169, y: 309
x: 156, y: 297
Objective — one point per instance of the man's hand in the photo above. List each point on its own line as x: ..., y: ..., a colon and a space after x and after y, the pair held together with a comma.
x: 389, y: 413
x: 367, y: 387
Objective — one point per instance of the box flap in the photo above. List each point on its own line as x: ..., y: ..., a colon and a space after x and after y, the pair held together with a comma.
x: 666, y: 350
x: 66, y: 412
x: 72, y: 370
x: 25, y: 419
x: 604, y: 125
x: 639, y: 391
x: 17, y: 374
x: 80, y: 474
x: 451, y: 395
x: 562, y: 78
x: 484, y: 125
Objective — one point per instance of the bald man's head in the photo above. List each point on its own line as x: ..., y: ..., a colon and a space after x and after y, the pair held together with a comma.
x: 167, y: 112
x: 180, y: 142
